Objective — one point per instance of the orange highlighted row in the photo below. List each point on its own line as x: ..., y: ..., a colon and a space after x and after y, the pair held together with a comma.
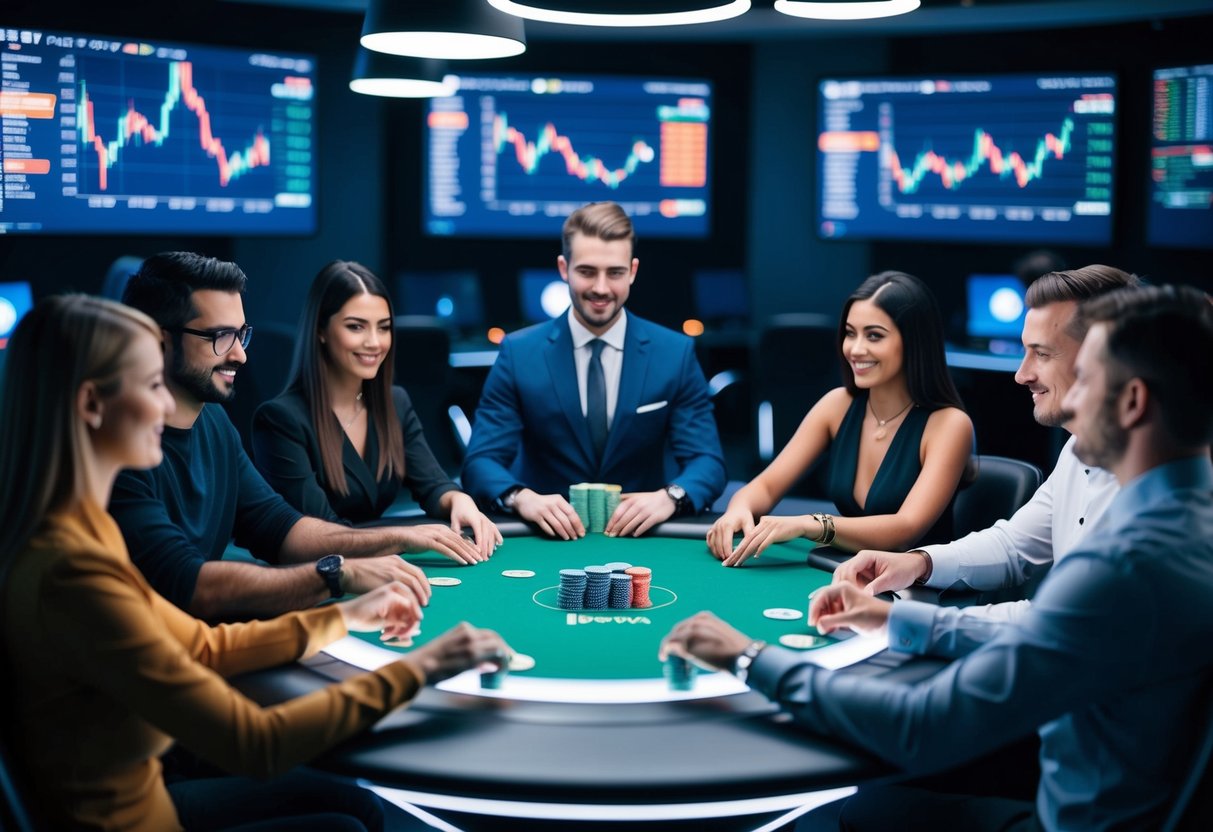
x: 449, y: 119
x: 838, y: 141
x: 27, y: 104
x: 26, y: 166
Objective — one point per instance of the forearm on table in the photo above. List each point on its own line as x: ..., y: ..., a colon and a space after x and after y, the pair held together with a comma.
x: 227, y: 589
x: 947, y: 632
x: 311, y: 539
x: 886, y: 532
x: 989, y: 559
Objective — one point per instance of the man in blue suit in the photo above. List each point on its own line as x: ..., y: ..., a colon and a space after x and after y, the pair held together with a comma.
x: 596, y: 396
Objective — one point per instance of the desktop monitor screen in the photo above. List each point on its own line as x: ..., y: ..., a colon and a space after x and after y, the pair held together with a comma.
x: 15, y: 300
x: 109, y: 135
x: 721, y: 295
x: 542, y: 295
x: 513, y: 155
x: 996, y: 307
x: 994, y: 158
x: 453, y: 297
x: 1181, y: 158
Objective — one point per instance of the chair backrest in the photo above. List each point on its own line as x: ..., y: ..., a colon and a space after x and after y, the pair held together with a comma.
x: 263, y: 377
x: 1193, y: 806
x: 14, y: 815
x: 796, y: 363
x: 423, y: 353
x: 1001, y: 488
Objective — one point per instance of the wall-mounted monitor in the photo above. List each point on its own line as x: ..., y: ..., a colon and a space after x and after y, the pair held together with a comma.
x: 109, y: 135
x: 996, y: 308
x: 1181, y: 158
x: 513, y: 155
x: 994, y: 158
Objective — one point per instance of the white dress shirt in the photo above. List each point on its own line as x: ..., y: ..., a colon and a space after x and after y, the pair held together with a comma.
x: 612, y: 358
x: 1045, y: 529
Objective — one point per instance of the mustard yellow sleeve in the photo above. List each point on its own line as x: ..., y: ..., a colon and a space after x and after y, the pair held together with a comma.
x: 146, y: 654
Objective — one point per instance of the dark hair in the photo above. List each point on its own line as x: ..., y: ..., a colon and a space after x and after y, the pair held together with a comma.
x: 1158, y: 334
x: 910, y: 304
x: 332, y: 287
x: 1078, y: 285
x: 164, y: 283
x: 604, y: 220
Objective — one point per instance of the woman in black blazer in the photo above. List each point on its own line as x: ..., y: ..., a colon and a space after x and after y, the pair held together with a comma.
x: 342, y: 439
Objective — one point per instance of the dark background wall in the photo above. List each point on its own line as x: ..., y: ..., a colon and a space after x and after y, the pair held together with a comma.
x: 763, y: 215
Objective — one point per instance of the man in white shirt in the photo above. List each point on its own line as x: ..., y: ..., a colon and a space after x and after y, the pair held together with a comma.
x: 1049, y: 526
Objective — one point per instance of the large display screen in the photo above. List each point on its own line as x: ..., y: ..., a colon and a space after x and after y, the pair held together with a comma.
x: 999, y: 158
x: 108, y: 135
x: 1181, y: 158
x: 514, y: 155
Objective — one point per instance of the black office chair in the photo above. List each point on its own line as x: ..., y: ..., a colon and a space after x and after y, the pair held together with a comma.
x: 796, y: 363
x: 423, y: 352
x: 1000, y: 488
x: 14, y: 815
x: 270, y: 353
x: 1193, y: 806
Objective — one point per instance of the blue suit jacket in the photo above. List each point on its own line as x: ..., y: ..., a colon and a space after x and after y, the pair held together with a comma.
x: 529, y: 429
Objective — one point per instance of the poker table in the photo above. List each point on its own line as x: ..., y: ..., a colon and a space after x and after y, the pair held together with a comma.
x: 593, y: 732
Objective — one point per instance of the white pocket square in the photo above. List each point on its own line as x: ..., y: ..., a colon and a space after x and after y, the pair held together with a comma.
x: 649, y: 408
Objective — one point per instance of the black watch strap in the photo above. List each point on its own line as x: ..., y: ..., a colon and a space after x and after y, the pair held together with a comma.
x: 329, y: 569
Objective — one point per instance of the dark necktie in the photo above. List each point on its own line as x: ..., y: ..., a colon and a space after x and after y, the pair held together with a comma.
x: 595, y: 398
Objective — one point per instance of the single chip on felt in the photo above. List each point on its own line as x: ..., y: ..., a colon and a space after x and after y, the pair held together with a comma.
x: 801, y: 641
x: 520, y: 662
x: 518, y: 573
x: 782, y: 613
x: 445, y: 581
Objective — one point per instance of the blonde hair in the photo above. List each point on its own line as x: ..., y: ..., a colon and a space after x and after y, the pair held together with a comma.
x: 62, y: 343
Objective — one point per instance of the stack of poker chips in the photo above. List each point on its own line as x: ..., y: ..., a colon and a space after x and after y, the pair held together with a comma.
x: 621, y: 591
x: 680, y: 673
x: 572, y: 589
x: 597, y: 588
x: 594, y: 503
x: 642, y: 579
x: 492, y: 679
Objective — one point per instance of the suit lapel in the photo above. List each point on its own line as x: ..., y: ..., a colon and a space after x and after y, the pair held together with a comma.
x: 631, y: 384
x: 563, y: 372
x: 357, y: 470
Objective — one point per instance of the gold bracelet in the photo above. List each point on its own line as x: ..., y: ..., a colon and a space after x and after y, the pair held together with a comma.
x: 828, y: 532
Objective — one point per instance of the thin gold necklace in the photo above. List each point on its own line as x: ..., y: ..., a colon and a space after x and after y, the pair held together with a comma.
x: 358, y: 410
x: 881, y: 433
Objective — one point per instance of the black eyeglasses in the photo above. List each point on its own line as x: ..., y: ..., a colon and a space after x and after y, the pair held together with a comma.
x: 222, y: 340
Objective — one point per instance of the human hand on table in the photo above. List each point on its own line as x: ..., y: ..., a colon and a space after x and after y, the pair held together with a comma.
x: 434, y: 537
x: 463, y: 513
x: 876, y: 572
x: 845, y: 605
x: 458, y: 649
x: 392, y: 609
x: 728, y: 525
x: 360, y: 575
x: 551, y: 512
x: 771, y: 529
x: 705, y: 639
x: 638, y: 512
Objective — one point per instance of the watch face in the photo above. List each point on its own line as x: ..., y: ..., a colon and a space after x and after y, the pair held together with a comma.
x: 677, y: 492
x: 329, y: 563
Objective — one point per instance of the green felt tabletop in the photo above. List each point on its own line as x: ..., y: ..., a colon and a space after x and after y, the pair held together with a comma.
x: 615, y: 644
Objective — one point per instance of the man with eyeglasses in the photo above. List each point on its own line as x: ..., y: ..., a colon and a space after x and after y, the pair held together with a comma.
x: 179, y: 518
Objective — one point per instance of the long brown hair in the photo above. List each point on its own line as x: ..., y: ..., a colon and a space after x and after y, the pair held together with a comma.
x: 335, y: 284
x: 63, y: 342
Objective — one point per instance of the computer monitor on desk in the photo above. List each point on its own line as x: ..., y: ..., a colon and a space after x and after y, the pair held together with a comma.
x: 722, y: 299
x: 542, y: 295
x: 996, y: 311
x: 15, y: 300
x: 453, y: 297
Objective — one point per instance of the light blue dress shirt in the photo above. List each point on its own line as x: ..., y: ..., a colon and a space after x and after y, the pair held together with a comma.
x: 1112, y: 663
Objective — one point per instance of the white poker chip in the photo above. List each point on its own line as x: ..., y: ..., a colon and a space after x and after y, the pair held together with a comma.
x: 445, y: 582
x: 520, y: 662
x: 518, y: 573
x: 782, y: 613
x: 801, y: 641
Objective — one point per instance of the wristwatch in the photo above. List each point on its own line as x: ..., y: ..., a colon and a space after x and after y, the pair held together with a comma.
x: 679, y: 495
x: 508, y: 498
x: 329, y: 569
x: 741, y: 667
